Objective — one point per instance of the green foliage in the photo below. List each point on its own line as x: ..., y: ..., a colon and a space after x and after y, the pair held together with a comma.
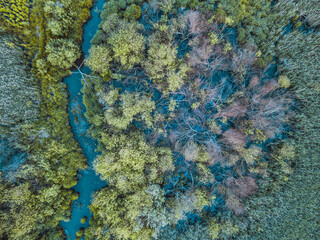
x: 80, y: 233
x: 132, y: 206
x: 62, y: 16
x: 232, y: 12
x: 83, y: 220
x: 98, y: 38
x: 109, y: 8
x: 38, y: 197
x: 132, y: 104
x: 222, y: 230
x: 171, y: 6
x: 115, y: 215
x: 258, y: 23
x: 191, y: 201
x: 15, y: 15
x: 130, y: 163
x: 137, y: 216
x: 99, y: 60
x: 284, y: 81
x: 128, y: 46
x: 164, y: 67
x: 26, y: 211
x: 62, y: 53
x: 133, y: 12
x: 189, y: 231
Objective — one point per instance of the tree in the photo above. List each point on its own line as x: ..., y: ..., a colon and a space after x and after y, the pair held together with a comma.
x: 62, y: 52
x: 100, y: 60
x: 129, y: 163
x: 164, y: 67
x: 127, y: 45
x: 132, y: 105
x: 62, y: 16
x: 133, y: 12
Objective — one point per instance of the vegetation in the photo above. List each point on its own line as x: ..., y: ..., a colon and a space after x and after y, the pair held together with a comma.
x: 196, y: 97
x: 205, y: 114
x: 19, y: 96
x: 15, y: 14
x: 40, y: 170
x: 295, y: 205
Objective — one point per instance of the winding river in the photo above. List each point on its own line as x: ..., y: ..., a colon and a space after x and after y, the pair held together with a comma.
x: 89, y: 182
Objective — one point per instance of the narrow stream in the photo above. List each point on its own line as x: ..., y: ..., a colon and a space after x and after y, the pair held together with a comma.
x: 89, y: 182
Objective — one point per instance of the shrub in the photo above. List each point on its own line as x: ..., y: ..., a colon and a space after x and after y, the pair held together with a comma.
x: 15, y: 15
x: 284, y: 81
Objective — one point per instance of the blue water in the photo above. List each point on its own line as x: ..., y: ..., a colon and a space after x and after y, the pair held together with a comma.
x: 89, y: 182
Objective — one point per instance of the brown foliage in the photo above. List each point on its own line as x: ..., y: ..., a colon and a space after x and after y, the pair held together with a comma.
x: 239, y: 189
x: 202, y: 49
x: 201, y: 54
x: 269, y: 114
x: 242, y: 187
x: 214, y: 150
x: 254, y: 81
x: 236, y: 110
x: 268, y: 88
x: 190, y: 151
x: 196, y: 21
x: 242, y: 59
x: 235, y: 205
x: 234, y: 137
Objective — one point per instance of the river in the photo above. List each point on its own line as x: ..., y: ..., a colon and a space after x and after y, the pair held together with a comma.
x: 88, y: 182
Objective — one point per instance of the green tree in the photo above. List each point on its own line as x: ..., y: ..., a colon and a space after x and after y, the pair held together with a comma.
x: 62, y: 52
x: 128, y: 46
x: 133, y: 12
x: 132, y: 106
x: 163, y: 66
x: 129, y: 163
x: 100, y: 60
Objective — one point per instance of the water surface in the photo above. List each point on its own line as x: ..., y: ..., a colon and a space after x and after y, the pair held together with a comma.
x: 89, y: 182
